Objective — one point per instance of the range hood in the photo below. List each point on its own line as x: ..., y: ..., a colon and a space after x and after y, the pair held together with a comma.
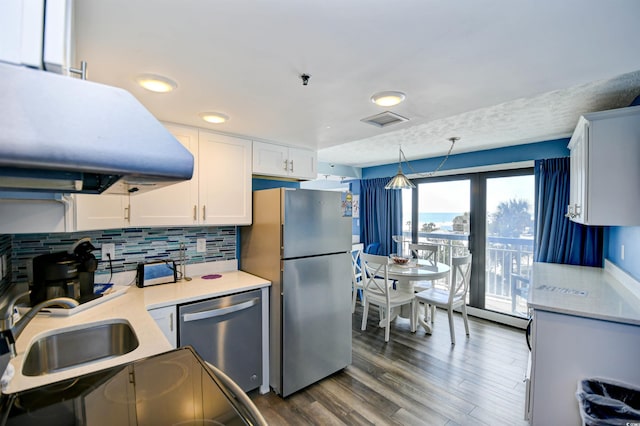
x: 64, y: 135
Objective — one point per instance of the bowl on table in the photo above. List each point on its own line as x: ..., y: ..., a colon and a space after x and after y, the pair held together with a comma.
x: 400, y: 260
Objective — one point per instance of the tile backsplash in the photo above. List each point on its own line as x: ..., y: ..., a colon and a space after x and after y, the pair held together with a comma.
x: 132, y: 245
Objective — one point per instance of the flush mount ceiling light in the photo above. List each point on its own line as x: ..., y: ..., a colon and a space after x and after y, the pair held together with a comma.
x: 156, y: 83
x: 387, y: 99
x: 214, y: 117
x: 400, y: 181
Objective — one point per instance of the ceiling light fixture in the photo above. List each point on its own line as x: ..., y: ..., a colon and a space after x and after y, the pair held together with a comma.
x: 400, y: 181
x: 214, y: 117
x: 156, y: 83
x: 387, y: 99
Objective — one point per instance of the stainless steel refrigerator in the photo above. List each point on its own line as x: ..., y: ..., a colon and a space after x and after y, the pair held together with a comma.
x: 300, y: 240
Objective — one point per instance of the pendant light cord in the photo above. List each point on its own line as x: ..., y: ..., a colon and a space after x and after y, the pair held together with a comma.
x: 453, y: 141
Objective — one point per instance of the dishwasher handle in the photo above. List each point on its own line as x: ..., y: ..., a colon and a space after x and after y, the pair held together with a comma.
x: 221, y: 311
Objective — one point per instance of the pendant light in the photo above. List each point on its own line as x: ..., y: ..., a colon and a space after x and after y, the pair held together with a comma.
x: 400, y: 181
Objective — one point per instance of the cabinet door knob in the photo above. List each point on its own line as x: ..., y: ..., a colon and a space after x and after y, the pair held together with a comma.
x: 291, y: 167
x: 204, y: 213
x: 286, y: 165
x: 127, y: 213
x: 195, y: 213
x: 569, y: 212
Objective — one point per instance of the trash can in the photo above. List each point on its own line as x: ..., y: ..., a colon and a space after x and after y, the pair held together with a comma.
x: 605, y: 402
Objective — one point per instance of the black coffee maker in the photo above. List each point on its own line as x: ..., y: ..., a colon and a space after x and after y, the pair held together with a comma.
x: 65, y: 274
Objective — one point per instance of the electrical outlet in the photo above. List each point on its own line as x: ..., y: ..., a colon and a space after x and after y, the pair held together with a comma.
x: 108, y: 250
x: 201, y: 245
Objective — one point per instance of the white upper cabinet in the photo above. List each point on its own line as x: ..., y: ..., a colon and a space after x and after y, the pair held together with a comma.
x: 37, y: 33
x: 303, y: 163
x: 104, y: 211
x: 20, y: 216
x: 605, y: 153
x: 225, y: 179
x: 218, y: 194
x: 175, y: 204
x: 278, y: 160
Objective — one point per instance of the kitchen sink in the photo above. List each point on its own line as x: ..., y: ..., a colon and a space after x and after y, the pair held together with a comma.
x: 79, y: 346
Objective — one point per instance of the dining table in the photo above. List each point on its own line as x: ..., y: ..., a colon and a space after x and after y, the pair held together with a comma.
x: 407, y: 274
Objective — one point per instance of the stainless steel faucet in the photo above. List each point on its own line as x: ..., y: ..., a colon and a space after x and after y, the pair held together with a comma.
x: 9, y: 332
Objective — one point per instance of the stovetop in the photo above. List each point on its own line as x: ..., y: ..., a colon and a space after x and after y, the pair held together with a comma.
x: 173, y: 388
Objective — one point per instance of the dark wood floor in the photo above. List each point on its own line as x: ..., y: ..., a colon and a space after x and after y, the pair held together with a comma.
x: 415, y: 379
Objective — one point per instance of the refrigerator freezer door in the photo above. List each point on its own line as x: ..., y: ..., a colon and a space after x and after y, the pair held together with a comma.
x: 316, y: 323
x: 313, y: 224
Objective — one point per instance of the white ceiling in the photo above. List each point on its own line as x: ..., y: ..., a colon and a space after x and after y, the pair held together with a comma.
x: 495, y: 72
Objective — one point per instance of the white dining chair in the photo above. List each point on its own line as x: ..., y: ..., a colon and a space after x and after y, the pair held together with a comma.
x: 427, y: 252
x: 378, y: 291
x: 356, y: 275
x: 453, y: 297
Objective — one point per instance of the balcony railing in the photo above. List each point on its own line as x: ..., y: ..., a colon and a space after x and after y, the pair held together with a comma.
x: 507, y: 266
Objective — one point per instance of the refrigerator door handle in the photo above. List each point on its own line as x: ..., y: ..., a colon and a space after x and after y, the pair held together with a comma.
x: 219, y: 312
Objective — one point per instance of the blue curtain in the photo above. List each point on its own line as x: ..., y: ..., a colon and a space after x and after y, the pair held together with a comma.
x: 381, y: 213
x: 559, y: 240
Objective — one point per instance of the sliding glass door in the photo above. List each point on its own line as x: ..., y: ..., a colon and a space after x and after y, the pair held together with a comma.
x: 489, y: 214
x: 508, y: 243
x: 443, y: 216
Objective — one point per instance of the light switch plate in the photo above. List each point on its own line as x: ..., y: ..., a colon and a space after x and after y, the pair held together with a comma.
x: 201, y: 245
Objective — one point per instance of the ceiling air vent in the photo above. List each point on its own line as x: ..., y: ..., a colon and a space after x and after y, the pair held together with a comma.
x: 384, y: 119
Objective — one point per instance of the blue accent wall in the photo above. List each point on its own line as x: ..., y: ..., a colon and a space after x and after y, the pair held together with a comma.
x: 526, y: 152
x: 533, y: 151
x: 259, y: 183
x: 629, y: 236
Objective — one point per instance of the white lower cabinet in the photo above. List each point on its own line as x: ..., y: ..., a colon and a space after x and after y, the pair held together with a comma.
x: 567, y: 349
x: 166, y: 320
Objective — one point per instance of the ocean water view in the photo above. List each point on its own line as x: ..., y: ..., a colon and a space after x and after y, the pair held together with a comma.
x: 444, y: 221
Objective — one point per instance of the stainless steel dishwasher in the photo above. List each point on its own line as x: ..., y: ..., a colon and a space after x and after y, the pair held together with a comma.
x: 226, y: 332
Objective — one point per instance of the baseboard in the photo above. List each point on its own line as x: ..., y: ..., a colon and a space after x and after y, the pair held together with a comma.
x: 498, y: 317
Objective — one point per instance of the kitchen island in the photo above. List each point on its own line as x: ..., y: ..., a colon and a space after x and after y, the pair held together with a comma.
x: 585, y: 323
x: 133, y: 307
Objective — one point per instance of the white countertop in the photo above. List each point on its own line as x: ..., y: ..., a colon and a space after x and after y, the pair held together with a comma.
x: 132, y: 307
x: 582, y: 291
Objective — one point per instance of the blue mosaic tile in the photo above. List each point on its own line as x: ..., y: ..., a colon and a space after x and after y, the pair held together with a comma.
x: 133, y: 245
